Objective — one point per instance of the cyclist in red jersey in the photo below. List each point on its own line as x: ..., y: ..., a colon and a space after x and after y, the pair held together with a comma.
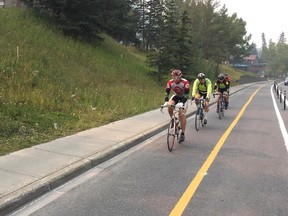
x: 180, y: 88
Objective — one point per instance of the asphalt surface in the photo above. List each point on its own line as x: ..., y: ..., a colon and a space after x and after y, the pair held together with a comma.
x: 31, y: 172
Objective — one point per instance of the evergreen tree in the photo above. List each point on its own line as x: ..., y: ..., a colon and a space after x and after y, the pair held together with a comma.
x: 188, y: 52
x: 80, y: 19
x: 121, y: 20
x: 264, y: 43
x: 282, y: 39
x: 155, y: 24
x: 141, y: 7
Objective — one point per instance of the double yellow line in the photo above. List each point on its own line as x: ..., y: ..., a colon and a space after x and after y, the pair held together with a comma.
x: 188, y: 194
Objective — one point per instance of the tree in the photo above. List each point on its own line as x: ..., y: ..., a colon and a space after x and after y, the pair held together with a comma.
x: 187, y: 53
x: 282, y: 39
x: 141, y: 7
x: 86, y: 19
x: 264, y: 43
x: 79, y: 19
x: 175, y: 49
x: 121, y: 20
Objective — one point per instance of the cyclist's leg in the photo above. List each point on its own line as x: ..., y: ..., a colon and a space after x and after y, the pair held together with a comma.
x: 182, y: 116
x: 206, y: 109
x: 183, y: 119
x: 225, y: 97
x: 171, y: 102
x: 218, y: 99
x: 183, y: 124
x: 206, y: 104
x: 197, y: 97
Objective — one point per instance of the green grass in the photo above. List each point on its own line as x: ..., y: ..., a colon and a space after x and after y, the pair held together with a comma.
x: 58, y: 86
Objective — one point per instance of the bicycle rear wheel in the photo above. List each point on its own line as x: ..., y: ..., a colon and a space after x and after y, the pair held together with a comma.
x: 171, y: 135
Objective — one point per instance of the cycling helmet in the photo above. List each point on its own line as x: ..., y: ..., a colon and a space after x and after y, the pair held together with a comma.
x: 201, y: 76
x: 176, y: 73
x: 221, y: 77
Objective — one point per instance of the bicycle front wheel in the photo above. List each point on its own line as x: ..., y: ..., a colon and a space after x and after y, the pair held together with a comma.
x: 220, y: 113
x: 197, y: 121
x: 171, y: 135
x: 220, y: 110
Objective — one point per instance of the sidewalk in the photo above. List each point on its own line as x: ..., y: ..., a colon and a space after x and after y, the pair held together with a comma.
x: 31, y: 172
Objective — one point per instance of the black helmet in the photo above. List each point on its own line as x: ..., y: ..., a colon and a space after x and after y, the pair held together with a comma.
x: 221, y: 77
x: 201, y: 76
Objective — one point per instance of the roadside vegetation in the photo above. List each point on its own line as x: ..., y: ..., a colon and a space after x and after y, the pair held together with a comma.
x: 53, y: 86
x: 58, y: 86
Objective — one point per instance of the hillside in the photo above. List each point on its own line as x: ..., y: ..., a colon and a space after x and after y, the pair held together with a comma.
x: 53, y: 86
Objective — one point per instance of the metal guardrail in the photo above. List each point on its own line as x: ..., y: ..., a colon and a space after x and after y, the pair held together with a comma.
x: 281, y: 95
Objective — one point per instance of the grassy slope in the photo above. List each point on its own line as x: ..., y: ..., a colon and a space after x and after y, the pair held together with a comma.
x: 58, y: 86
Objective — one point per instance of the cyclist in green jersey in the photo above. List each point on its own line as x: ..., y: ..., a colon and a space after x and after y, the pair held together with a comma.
x: 202, y: 87
x: 222, y: 86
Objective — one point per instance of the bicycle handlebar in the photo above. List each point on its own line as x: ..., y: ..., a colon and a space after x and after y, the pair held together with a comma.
x: 170, y: 105
x: 216, y: 93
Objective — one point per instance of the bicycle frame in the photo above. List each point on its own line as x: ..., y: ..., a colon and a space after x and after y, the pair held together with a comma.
x: 199, y: 117
x: 221, y: 105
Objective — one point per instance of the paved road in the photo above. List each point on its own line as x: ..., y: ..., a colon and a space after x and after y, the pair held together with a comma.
x: 248, y: 176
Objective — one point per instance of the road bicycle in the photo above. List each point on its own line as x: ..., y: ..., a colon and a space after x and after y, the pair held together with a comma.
x: 199, y: 117
x: 222, y: 104
x: 174, y: 128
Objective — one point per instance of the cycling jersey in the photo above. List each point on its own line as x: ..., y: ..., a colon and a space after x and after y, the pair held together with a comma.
x: 205, y: 88
x: 181, y: 89
x: 221, y: 86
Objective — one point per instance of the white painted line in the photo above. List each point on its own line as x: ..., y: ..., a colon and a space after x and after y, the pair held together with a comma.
x: 280, y: 120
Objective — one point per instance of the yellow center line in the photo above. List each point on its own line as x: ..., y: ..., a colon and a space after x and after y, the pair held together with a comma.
x: 187, y: 195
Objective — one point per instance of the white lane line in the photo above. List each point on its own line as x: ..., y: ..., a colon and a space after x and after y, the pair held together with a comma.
x: 280, y: 120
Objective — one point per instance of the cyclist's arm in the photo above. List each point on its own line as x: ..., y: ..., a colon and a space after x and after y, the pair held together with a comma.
x: 195, y: 87
x: 209, y: 88
x: 215, y: 86
x: 186, y: 96
x: 228, y: 85
x: 167, y: 92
